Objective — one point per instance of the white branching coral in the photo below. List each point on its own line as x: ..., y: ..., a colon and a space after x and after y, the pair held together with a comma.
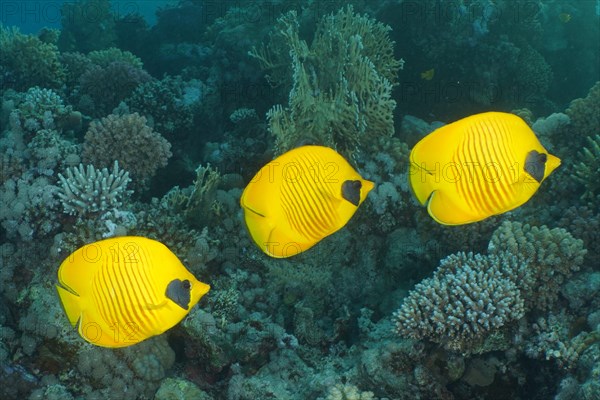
x: 348, y: 392
x: 87, y: 189
x: 467, y: 297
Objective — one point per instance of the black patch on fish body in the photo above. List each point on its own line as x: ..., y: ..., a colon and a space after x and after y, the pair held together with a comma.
x: 351, y: 191
x: 179, y: 292
x: 535, y: 165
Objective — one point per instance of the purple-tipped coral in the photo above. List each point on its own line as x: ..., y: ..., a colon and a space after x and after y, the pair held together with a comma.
x: 127, y: 139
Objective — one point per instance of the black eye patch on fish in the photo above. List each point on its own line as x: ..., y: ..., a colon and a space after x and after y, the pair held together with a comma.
x: 535, y: 165
x: 351, y: 191
x: 179, y: 292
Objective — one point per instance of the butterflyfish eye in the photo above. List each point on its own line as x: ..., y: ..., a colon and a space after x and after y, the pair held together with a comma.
x: 179, y: 292
x: 351, y: 191
x: 535, y: 164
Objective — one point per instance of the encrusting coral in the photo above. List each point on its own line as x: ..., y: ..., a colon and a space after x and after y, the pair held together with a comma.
x: 342, y: 83
x: 127, y: 139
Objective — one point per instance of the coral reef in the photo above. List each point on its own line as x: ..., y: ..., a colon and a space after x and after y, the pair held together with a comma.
x: 467, y: 298
x: 504, y: 308
x: 587, y: 171
x: 26, y: 61
x: 550, y: 256
x: 342, y: 83
x: 87, y: 25
x: 103, y: 88
x: 89, y: 190
x: 128, y: 140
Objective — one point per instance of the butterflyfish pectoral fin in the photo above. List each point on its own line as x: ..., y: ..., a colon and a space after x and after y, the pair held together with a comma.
x: 71, y: 303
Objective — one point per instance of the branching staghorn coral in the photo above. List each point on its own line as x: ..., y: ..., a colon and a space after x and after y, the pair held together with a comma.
x: 342, y: 83
x: 89, y: 190
x: 553, y: 340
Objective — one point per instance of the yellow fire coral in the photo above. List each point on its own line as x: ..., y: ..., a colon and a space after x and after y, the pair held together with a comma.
x: 342, y: 83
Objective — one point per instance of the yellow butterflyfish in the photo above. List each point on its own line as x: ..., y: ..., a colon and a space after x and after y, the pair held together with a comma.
x: 300, y: 198
x: 428, y: 75
x: 564, y: 17
x: 479, y: 166
x: 121, y: 291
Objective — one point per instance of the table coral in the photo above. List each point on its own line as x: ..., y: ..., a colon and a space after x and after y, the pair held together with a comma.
x: 129, y: 140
